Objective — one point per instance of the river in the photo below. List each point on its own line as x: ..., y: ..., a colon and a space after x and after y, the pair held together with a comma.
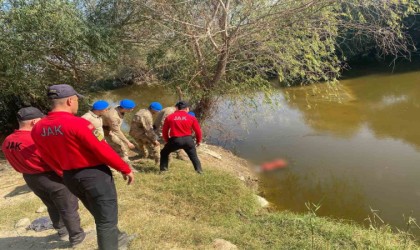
x: 351, y: 150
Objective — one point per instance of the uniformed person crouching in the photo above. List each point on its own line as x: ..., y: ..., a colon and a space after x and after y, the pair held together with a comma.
x: 99, y: 108
x: 112, y: 121
x: 141, y: 130
x: 160, y: 118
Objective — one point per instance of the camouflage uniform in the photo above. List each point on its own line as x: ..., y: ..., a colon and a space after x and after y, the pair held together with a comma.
x: 96, y: 121
x: 141, y: 130
x: 160, y: 118
x: 112, y: 122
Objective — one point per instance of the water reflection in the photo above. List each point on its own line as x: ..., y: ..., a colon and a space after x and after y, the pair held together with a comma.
x: 350, y: 149
x: 341, y: 117
x: 387, y: 104
x: 338, y: 196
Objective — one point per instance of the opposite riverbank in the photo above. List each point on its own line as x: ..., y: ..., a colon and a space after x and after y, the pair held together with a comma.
x: 183, y: 210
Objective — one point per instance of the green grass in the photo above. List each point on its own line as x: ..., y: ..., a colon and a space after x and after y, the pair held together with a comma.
x: 184, y: 210
x: 181, y: 209
x: 12, y: 212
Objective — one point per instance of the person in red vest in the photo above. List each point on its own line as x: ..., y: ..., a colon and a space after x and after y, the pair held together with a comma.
x: 22, y: 154
x: 176, y: 132
x: 68, y: 143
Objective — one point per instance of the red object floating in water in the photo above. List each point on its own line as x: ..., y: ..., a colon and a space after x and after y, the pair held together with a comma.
x: 272, y: 165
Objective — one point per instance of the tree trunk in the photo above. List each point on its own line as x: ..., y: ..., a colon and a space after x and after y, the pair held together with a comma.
x: 204, y: 108
x: 221, y: 67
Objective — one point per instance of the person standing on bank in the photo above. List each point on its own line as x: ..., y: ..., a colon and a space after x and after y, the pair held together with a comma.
x: 22, y: 154
x: 112, y: 122
x: 67, y: 142
x: 141, y: 130
x: 176, y: 132
x: 158, y: 124
x: 99, y: 108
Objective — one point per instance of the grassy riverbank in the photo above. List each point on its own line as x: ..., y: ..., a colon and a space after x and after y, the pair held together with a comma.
x: 183, y: 210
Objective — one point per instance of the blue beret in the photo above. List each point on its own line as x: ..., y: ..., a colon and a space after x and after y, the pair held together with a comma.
x: 100, y: 105
x: 127, y: 104
x: 155, y: 106
x: 191, y: 113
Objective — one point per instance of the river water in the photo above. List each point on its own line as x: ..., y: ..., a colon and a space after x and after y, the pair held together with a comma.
x: 351, y: 150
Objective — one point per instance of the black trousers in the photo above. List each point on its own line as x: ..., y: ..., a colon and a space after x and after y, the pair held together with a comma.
x: 62, y: 205
x: 186, y: 143
x: 95, y: 187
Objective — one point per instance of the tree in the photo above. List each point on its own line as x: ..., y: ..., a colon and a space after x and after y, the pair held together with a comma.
x: 204, y: 47
x: 45, y: 42
x: 213, y: 47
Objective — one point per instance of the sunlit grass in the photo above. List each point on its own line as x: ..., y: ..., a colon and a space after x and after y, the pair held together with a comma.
x: 181, y: 209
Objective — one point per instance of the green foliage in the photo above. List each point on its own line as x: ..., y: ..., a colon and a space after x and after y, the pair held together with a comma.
x: 47, y: 42
x: 209, y: 47
x: 389, y: 34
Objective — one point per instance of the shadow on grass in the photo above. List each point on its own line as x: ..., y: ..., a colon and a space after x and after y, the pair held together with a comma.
x: 33, y: 242
x: 24, y: 189
x: 145, y: 168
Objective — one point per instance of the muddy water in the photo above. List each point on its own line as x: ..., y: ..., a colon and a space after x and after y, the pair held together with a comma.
x: 349, y: 150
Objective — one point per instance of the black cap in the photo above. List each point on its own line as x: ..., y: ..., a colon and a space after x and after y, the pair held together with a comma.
x: 62, y: 91
x: 182, y: 105
x: 29, y: 113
